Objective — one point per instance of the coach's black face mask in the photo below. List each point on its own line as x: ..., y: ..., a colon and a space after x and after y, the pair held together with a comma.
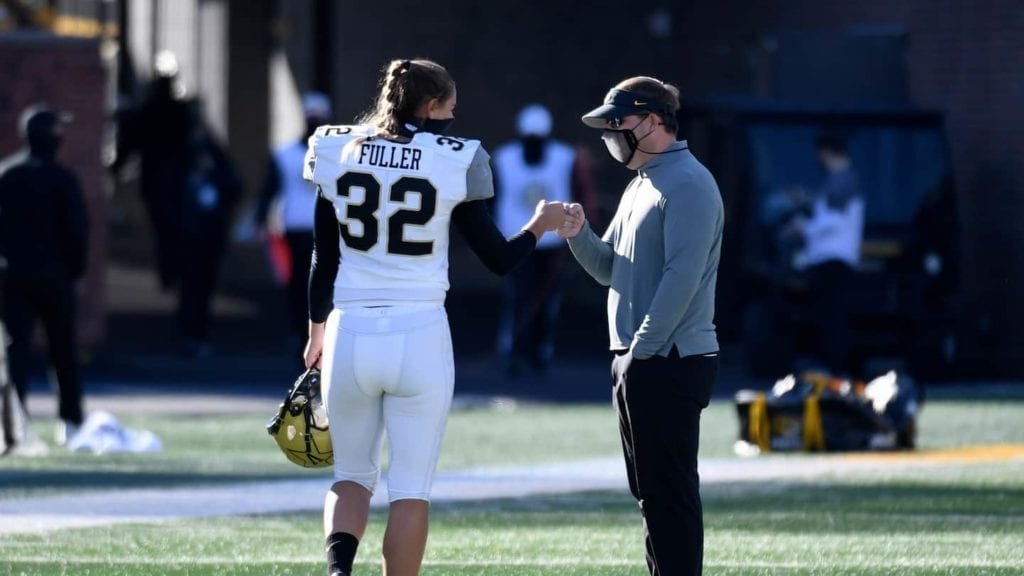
x: 623, y: 144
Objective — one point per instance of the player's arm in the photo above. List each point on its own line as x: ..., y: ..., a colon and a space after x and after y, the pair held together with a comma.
x: 322, y: 271
x: 498, y: 254
x: 326, y: 257
x: 474, y: 222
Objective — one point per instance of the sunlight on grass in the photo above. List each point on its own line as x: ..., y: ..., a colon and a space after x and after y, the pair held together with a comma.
x: 900, y: 528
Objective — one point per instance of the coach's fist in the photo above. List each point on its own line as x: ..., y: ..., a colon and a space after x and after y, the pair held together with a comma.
x: 547, y: 216
x: 573, y: 221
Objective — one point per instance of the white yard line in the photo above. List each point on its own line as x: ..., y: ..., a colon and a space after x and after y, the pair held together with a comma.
x: 98, y: 508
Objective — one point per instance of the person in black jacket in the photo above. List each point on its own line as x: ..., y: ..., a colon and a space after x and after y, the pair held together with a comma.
x: 212, y: 188
x: 43, y: 236
x: 159, y: 130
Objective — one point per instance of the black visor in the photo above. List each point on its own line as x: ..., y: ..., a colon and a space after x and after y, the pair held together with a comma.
x: 621, y: 103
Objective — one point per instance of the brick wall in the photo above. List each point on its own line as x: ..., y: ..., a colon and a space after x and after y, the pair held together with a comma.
x: 66, y: 74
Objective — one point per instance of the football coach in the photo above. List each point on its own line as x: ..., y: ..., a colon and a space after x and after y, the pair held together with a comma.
x: 659, y: 258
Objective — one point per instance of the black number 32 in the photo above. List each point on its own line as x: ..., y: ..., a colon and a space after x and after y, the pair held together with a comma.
x: 366, y: 213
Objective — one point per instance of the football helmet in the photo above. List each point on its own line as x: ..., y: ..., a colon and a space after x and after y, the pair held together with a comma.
x: 300, y: 425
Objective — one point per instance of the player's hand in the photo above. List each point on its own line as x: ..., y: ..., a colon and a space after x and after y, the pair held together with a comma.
x: 573, y: 221
x: 314, y: 346
x: 547, y: 216
x: 550, y: 214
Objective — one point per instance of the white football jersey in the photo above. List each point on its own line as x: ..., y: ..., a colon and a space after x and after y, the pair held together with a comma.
x: 394, y: 203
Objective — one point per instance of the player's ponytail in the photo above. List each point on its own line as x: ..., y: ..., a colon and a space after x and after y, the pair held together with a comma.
x: 392, y: 88
x: 404, y: 86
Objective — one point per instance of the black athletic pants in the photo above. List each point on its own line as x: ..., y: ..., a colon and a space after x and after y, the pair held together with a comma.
x: 204, y: 243
x: 829, y: 284
x: 535, y: 301
x: 53, y: 303
x: 659, y: 401
x: 300, y: 245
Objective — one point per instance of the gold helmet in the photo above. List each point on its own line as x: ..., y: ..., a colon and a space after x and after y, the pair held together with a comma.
x: 300, y: 425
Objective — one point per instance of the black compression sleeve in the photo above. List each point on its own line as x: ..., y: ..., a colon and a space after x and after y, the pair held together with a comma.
x: 499, y: 255
x: 326, y: 255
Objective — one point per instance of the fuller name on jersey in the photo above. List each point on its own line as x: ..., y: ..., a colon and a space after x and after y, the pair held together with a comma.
x: 393, y: 202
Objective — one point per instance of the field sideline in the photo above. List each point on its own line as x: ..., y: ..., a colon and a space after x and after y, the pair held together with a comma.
x: 954, y: 507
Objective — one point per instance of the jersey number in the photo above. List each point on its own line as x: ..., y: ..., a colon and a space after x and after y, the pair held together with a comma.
x: 366, y: 213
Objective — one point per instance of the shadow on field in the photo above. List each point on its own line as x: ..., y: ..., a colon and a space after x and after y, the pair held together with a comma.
x: 42, y: 480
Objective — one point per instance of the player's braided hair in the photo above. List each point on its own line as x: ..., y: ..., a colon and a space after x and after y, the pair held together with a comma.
x: 404, y: 86
x: 656, y: 90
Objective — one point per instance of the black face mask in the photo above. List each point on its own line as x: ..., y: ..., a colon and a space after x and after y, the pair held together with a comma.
x: 533, y: 149
x: 623, y: 144
x: 432, y: 125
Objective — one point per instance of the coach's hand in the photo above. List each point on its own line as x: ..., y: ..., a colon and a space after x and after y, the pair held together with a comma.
x: 573, y: 221
x: 621, y: 364
x: 315, y: 345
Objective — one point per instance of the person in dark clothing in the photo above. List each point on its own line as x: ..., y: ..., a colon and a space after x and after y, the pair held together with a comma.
x: 160, y: 132
x: 831, y: 235
x: 43, y: 236
x: 212, y: 189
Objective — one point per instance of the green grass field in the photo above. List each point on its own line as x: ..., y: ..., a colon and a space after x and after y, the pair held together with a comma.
x: 946, y: 517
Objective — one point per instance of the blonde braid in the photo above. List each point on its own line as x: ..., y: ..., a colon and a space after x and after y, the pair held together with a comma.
x: 393, y: 95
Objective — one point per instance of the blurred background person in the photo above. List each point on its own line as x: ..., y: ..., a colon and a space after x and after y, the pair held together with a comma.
x: 531, y: 168
x: 43, y: 236
x: 159, y: 130
x: 212, y: 189
x: 830, y: 232
x: 285, y: 214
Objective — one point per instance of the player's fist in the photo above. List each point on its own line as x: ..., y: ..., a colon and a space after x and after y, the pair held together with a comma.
x: 572, y: 223
x: 549, y: 215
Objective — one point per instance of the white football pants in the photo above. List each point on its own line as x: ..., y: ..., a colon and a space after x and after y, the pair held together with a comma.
x: 388, y: 368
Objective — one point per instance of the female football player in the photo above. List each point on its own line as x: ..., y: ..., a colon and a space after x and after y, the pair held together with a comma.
x: 390, y: 188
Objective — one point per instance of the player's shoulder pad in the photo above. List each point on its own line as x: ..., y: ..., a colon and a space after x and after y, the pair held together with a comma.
x: 462, y: 150
x: 325, y: 148
x: 330, y: 135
